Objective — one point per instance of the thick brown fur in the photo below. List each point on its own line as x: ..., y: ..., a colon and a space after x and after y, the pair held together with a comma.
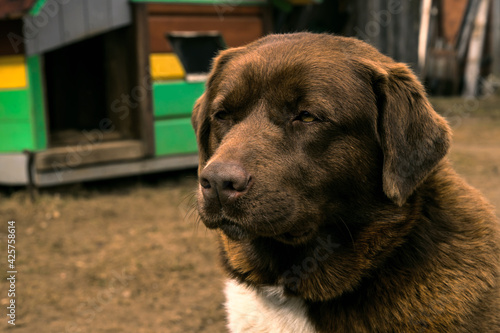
x: 357, y: 212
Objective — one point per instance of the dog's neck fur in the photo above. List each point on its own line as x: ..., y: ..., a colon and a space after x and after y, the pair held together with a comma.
x: 320, y: 285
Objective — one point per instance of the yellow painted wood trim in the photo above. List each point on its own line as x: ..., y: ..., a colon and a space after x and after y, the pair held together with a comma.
x: 13, y: 72
x: 165, y: 66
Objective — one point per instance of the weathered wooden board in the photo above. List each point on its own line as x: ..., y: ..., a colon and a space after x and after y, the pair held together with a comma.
x: 92, y: 153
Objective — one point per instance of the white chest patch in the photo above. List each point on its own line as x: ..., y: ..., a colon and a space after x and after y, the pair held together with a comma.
x: 265, y: 311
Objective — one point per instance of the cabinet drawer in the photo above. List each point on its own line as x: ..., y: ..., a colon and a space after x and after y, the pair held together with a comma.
x: 174, y: 136
x: 15, y: 105
x: 175, y: 98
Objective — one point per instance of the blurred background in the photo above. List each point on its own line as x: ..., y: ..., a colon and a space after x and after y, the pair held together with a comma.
x: 98, y: 158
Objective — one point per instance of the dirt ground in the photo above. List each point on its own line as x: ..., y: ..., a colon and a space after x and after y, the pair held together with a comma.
x: 129, y: 255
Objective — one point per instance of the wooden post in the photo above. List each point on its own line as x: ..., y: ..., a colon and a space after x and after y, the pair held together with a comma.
x: 117, y: 46
x: 424, y: 34
x: 143, y: 79
x: 495, y: 28
x: 466, y: 30
x: 476, y: 46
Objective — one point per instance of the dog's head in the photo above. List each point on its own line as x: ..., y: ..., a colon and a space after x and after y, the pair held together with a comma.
x: 297, y: 131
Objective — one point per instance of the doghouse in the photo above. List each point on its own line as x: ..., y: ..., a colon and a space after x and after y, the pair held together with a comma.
x: 92, y: 89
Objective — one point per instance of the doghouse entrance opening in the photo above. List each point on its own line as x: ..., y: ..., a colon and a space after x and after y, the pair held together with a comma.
x: 87, y: 84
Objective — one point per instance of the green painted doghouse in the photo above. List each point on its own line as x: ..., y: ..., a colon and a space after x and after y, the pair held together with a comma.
x: 92, y: 89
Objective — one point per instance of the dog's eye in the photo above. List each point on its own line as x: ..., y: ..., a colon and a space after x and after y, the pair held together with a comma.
x: 222, y: 115
x: 306, y: 117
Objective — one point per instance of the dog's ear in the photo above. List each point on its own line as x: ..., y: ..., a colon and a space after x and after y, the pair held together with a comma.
x: 200, y: 117
x: 201, y: 125
x: 413, y: 137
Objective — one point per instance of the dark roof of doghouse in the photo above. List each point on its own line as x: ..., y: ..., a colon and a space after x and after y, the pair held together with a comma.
x: 48, y: 25
x: 15, y: 8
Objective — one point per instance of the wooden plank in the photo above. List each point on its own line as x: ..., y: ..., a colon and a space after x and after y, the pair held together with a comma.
x: 495, y: 30
x: 16, y: 136
x: 174, y: 99
x: 423, y: 36
x: 120, y: 12
x: 119, y: 169
x: 466, y: 29
x: 175, y: 136
x: 452, y: 14
x: 30, y: 36
x: 475, y: 53
x: 98, y: 15
x: 166, y: 66
x: 236, y: 31
x: 14, y: 169
x: 50, y: 34
x: 209, y: 2
x: 74, y: 24
x: 15, y: 105
x: 212, y: 9
x: 12, y: 72
x: 38, y: 101
x: 119, y: 82
x: 143, y: 79
x: 234, y: 3
x: 73, y: 21
x: 93, y: 153
x: 408, y: 24
x: 73, y: 137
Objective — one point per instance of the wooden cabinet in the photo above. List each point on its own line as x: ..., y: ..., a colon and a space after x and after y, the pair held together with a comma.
x: 173, y: 97
x: 92, y: 89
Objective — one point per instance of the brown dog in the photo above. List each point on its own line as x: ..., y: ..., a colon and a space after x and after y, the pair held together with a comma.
x: 322, y: 165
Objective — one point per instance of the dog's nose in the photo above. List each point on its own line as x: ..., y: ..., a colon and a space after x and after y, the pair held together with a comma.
x: 226, y: 181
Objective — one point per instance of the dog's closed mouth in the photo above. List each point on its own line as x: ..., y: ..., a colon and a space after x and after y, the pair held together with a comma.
x: 295, y: 236
x: 234, y: 231
x: 237, y: 232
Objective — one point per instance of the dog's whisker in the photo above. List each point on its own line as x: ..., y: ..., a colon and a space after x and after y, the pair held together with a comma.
x: 267, y: 220
x: 348, y: 230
